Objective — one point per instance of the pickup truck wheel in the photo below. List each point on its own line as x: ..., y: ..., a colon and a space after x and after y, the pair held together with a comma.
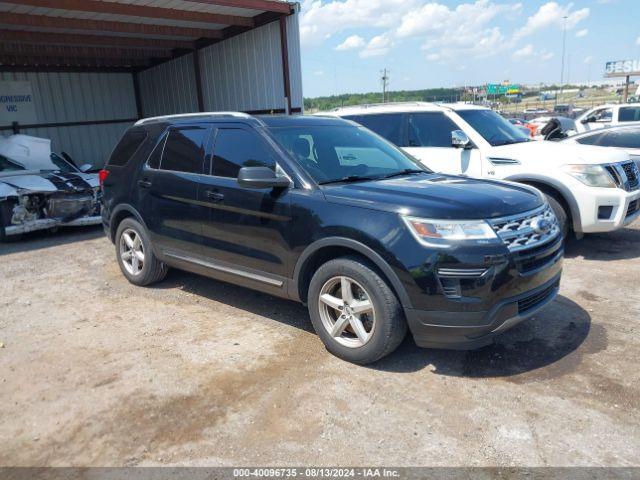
x: 354, y: 312
x: 561, y: 215
x: 135, y: 256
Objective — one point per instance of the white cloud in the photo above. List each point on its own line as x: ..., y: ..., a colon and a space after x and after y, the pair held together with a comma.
x: 582, y: 33
x: 318, y: 73
x: 529, y: 53
x: 377, y: 46
x: 320, y: 21
x: 351, y: 43
x: 552, y: 14
x: 588, y: 59
x: 638, y: 41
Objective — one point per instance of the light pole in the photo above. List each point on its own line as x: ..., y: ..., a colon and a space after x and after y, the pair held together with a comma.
x: 564, y: 44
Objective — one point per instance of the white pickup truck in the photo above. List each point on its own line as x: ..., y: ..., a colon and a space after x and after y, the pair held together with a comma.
x: 591, y: 189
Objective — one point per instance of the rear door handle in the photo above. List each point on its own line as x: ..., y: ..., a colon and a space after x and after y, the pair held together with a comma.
x: 144, y: 183
x: 214, y: 196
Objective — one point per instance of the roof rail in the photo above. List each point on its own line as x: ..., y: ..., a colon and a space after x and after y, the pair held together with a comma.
x: 191, y: 115
x: 370, y: 105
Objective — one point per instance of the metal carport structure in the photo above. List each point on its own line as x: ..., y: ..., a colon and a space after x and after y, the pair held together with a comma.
x: 93, y: 67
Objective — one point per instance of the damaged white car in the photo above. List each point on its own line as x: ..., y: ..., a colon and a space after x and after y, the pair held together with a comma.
x: 43, y: 190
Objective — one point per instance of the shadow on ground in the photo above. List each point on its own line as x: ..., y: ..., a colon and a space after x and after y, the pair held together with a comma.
x: 45, y: 239
x: 552, y: 334
x: 619, y: 245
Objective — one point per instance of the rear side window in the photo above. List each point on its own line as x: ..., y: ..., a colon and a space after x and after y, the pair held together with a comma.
x: 184, y: 150
x: 625, y: 139
x: 430, y: 129
x: 629, y: 114
x: 236, y: 148
x: 388, y: 126
x: 127, y: 147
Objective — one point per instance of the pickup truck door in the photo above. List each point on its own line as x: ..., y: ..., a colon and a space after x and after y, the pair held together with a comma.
x: 429, y: 140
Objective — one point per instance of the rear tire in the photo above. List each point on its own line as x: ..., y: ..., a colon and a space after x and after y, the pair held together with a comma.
x: 373, y: 320
x: 135, y: 256
x: 561, y: 215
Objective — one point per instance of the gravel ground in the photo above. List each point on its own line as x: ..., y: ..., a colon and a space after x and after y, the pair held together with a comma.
x: 97, y: 372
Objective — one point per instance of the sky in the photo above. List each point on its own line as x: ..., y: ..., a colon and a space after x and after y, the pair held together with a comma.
x: 426, y: 43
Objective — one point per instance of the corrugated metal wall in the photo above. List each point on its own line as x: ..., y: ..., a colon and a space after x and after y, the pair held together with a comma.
x: 241, y: 73
x: 169, y: 88
x: 80, y: 97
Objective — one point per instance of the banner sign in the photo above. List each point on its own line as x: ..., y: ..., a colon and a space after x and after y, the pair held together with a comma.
x: 622, y: 68
x: 16, y: 103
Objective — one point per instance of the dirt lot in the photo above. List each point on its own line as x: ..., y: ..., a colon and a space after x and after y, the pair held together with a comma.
x: 95, y: 371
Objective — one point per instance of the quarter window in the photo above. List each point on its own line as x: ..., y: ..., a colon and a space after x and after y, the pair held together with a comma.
x: 236, y: 148
x: 430, y: 129
x: 185, y: 150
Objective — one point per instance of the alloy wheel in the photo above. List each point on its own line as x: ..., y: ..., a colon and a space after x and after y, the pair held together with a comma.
x: 132, y: 251
x: 347, y: 312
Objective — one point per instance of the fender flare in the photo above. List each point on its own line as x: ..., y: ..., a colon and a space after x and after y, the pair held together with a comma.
x: 558, y: 186
x: 359, y: 247
x: 129, y: 209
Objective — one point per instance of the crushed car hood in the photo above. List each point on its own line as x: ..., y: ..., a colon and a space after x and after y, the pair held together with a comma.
x: 44, y: 182
x: 444, y: 197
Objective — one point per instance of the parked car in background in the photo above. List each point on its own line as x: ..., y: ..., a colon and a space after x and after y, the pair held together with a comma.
x: 526, y: 127
x: 607, y: 116
x: 322, y: 211
x: 43, y: 190
x: 625, y: 138
x: 567, y: 125
x: 475, y: 141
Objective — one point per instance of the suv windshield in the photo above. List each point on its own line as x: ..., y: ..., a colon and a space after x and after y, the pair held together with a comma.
x: 344, y: 153
x: 493, y: 128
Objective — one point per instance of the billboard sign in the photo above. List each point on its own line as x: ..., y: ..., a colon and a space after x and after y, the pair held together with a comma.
x: 622, y: 68
x: 502, y: 89
x: 16, y: 103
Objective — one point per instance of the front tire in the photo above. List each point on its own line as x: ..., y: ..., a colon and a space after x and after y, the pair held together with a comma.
x: 354, y: 311
x: 561, y: 215
x: 135, y: 256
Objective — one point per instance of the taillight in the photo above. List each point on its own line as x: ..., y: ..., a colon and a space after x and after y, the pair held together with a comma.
x: 102, y: 176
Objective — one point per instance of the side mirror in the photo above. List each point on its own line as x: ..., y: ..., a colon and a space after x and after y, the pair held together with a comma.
x: 459, y: 139
x: 86, y: 167
x: 261, y: 177
x: 584, y: 121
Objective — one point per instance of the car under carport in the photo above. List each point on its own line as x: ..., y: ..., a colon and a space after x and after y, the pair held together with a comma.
x: 79, y: 72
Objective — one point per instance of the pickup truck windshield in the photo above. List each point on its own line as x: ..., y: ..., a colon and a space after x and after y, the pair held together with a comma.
x: 494, y: 129
x: 332, y: 154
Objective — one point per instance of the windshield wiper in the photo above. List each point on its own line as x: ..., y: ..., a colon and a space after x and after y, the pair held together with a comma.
x: 406, y: 171
x: 347, y: 179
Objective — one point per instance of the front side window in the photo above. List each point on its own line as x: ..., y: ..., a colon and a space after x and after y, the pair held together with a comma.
x: 602, y: 115
x: 629, y: 114
x: 495, y: 129
x: 430, y: 129
x: 332, y: 153
x: 236, y: 148
x: 388, y: 125
x: 184, y: 150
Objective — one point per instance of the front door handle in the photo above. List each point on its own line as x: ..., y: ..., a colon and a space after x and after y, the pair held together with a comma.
x: 144, y: 183
x: 214, y: 196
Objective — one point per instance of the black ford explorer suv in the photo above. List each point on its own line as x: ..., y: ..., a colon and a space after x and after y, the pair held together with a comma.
x: 323, y: 211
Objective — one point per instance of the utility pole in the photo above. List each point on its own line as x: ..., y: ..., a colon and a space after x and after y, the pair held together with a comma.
x: 384, y: 79
x: 564, y: 44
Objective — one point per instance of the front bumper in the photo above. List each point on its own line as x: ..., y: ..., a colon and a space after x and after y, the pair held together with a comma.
x: 619, y: 208
x: 470, y: 330
x: 45, y: 223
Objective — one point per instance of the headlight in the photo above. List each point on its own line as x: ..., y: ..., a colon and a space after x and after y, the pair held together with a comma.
x: 444, y: 232
x: 591, y: 175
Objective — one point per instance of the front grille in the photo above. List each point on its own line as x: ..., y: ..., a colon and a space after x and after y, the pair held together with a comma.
x: 527, y: 230
x: 631, y: 171
x: 633, y: 208
x: 530, y: 261
x: 532, y: 301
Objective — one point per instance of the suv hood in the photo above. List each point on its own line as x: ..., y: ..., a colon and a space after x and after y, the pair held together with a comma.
x: 443, y: 197
x: 558, y: 153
